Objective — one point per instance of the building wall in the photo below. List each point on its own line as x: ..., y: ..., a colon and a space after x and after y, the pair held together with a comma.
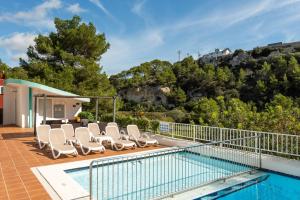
x: 1, y: 101
x: 71, y: 107
x: 17, y: 109
x: 9, y: 106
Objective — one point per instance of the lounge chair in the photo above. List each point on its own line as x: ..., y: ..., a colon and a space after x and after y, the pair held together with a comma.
x: 42, y: 135
x: 120, y: 141
x: 112, y: 124
x: 115, y: 124
x: 97, y: 135
x: 142, y: 140
x: 69, y: 132
x: 84, y: 139
x: 59, y: 145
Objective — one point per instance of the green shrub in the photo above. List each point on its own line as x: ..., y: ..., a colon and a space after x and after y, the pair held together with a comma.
x: 154, y: 125
x: 86, y: 115
x: 143, y: 123
x: 106, y: 118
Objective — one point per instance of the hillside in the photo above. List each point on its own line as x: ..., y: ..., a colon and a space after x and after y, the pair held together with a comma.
x: 202, y: 91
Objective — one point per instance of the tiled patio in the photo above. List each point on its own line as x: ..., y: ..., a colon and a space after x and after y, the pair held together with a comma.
x: 18, y: 153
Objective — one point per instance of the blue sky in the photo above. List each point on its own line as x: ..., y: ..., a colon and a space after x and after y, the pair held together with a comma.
x: 142, y: 30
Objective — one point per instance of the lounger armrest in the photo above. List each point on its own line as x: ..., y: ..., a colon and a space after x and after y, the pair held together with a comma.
x: 145, y: 135
x: 123, y: 136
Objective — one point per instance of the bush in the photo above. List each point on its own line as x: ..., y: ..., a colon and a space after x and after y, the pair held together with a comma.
x: 143, y: 123
x: 177, y: 115
x: 86, y: 115
x: 106, y: 118
x: 154, y: 125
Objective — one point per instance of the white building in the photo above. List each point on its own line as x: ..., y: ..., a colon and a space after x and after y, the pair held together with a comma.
x: 18, y: 103
x: 217, y: 53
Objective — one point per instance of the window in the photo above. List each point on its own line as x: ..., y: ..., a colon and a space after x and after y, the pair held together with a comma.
x: 59, y: 111
x: 1, y: 89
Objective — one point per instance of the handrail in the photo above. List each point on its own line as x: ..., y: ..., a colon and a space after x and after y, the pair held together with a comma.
x: 198, y: 148
x: 279, y: 144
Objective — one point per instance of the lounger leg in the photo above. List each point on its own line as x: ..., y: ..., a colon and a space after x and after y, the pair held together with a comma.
x: 41, y: 145
x: 55, y: 156
x: 85, y: 153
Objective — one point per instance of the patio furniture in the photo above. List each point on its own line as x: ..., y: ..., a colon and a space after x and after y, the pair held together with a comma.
x: 69, y: 132
x: 85, y: 142
x: 142, y: 140
x: 97, y: 135
x: 42, y: 135
x: 119, y: 141
x: 59, y: 144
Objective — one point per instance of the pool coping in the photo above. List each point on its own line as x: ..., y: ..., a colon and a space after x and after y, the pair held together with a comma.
x: 62, y: 186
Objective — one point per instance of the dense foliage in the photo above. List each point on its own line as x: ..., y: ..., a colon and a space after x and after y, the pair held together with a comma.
x: 258, y: 89
x: 261, y: 93
x: 68, y: 59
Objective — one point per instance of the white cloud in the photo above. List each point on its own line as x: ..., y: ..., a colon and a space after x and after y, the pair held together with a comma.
x: 101, y: 6
x: 131, y: 51
x: 137, y: 8
x: 16, y: 45
x: 37, y: 17
x: 75, y: 8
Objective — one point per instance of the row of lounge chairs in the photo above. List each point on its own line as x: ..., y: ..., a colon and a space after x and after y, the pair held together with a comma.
x: 90, y: 139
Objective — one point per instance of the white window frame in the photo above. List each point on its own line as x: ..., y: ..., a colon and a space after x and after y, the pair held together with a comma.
x: 59, y: 103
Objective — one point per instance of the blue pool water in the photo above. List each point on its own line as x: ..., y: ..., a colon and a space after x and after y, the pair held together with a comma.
x: 275, y: 187
x: 151, y: 177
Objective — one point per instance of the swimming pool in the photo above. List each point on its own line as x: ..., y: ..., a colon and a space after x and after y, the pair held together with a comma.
x: 275, y: 187
x: 151, y: 177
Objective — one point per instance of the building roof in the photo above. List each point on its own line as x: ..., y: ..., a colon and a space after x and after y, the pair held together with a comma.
x: 42, y: 87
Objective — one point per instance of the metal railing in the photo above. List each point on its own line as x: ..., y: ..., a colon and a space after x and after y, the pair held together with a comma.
x: 166, y: 172
x: 278, y: 144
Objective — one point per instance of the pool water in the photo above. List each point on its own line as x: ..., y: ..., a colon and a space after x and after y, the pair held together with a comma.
x: 275, y: 187
x: 155, y: 176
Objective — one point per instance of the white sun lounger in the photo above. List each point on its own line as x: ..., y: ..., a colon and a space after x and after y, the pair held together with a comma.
x: 142, y: 140
x: 97, y: 135
x: 85, y: 142
x: 42, y: 135
x: 119, y: 142
x: 59, y: 145
x: 69, y: 132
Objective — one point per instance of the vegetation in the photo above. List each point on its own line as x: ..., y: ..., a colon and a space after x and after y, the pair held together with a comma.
x: 86, y: 115
x: 68, y: 59
x: 260, y: 92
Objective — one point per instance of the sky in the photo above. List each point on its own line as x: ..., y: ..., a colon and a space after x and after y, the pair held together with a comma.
x: 142, y: 30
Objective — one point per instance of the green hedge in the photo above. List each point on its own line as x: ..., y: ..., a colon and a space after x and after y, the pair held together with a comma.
x: 86, y: 115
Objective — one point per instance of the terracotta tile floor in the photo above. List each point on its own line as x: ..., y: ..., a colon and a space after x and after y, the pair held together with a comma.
x: 18, y: 153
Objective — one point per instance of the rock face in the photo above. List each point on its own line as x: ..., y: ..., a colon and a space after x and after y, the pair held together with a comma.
x: 156, y: 95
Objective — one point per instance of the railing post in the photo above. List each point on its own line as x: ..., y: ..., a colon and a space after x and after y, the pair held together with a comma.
x: 221, y: 137
x: 91, y: 180
x: 194, y: 133
x: 256, y: 142
x: 259, y: 143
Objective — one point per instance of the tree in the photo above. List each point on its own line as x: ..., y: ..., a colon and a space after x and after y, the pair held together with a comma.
x: 69, y: 58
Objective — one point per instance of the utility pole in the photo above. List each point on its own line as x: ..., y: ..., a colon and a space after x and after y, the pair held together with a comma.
x: 178, y: 52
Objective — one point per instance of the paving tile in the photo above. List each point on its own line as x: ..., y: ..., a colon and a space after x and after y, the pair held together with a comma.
x: 18, y: 153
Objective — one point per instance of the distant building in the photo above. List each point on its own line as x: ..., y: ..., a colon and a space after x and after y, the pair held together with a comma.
x: 217, y: 53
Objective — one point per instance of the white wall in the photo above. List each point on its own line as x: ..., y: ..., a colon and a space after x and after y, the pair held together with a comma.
x: 70, y: 111
x: 9, y: 106
x: 16, y: 106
